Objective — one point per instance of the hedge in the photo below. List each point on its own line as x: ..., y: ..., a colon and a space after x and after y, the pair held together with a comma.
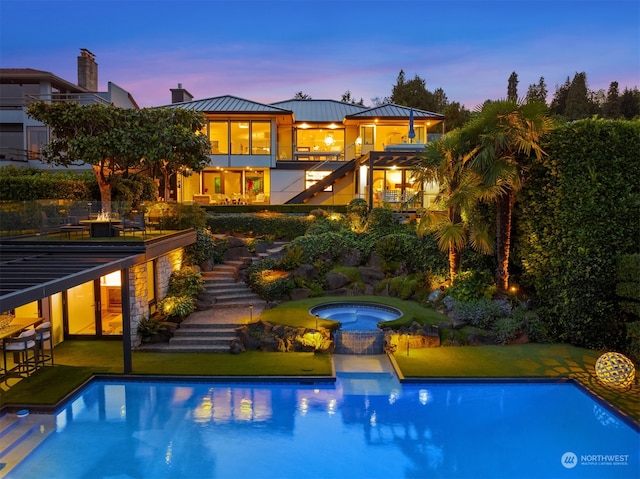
x: 579, y: 213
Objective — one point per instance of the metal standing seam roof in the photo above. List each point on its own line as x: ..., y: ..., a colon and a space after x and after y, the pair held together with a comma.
x: 393, y: 111
x: 320, y: 111
x: 228, y: 104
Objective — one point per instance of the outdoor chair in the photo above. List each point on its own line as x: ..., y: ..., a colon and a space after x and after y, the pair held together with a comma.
x: 48, y: 225
x: 132, y: 223
x: 43, y: 335
x: 21, y: 346
x: 74, y: 223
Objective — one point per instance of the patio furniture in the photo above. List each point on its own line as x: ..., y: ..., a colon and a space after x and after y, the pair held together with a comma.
x: 49, y: 225
x: 23, y: 345
x: 132, y: 223
x: 43, y: 335
x: 74, y: 223
x: 202, y: 199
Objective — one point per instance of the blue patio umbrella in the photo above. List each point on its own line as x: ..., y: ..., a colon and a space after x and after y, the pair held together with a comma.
x: 412, y: 133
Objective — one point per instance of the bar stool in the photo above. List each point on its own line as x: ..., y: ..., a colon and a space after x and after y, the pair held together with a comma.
x: 43, y: 334
x: 22, y: 344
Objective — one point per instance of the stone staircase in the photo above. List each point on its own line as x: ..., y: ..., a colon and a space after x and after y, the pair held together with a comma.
x: 19, y: 436
x: 235, y: 304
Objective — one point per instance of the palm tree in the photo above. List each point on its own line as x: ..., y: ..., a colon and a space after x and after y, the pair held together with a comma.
x: 446, y: 161
x: 507, y: 133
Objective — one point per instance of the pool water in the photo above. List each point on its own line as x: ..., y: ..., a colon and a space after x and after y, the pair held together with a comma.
x: 356, y: 316
x: 359, y: 427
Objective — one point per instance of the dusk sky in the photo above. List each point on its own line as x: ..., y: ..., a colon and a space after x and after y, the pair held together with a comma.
x: 268, y: 50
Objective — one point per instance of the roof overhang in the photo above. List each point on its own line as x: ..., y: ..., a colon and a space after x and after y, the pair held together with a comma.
x: 30, y: 271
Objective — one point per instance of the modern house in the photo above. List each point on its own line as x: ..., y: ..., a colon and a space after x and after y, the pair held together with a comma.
x: 321, y: 152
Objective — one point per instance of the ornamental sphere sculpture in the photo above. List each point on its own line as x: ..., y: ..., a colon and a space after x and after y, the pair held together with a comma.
x: 615, y: 369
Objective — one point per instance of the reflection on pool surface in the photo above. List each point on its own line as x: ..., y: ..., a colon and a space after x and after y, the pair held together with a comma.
x: 356, y: 316
x: 359, y: 427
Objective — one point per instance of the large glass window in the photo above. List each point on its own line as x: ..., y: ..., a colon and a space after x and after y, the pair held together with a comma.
x: 260, y: 137
x: 239, y: 137
x: 320, y: 140
x: 219, y: 137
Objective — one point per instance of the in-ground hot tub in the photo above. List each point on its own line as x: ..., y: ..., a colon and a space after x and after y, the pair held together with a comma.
x: 359, y: 332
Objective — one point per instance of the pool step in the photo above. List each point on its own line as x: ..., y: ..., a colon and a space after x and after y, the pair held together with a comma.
x: 19, y: 436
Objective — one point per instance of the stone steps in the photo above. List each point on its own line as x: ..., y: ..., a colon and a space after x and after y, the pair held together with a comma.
x: 206, y: 331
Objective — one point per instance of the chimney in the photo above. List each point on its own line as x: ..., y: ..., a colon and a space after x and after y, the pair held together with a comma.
x: 87, y: 70
x: 178, y: 95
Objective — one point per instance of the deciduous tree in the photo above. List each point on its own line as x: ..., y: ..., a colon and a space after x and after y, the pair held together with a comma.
x: 115, y: 140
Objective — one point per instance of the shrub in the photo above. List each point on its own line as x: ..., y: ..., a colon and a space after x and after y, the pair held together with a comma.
x: 180, y: 306
x: 292, y: 258
x: 507, y: 328
x: 206, y: 247
x: 186, y: 216
x: 185, y: 282
x: 147, y: 327
x: 270, y: 284
x: 479, y: 312
x: 472, y: 285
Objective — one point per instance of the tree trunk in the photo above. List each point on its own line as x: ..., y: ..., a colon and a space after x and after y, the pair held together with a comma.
x: 105, y: 190
x: 454, y: 263
x: 503, y: 238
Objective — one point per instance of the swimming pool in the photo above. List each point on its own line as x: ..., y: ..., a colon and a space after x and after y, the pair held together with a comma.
x: 359, y: 427
x: 356, y: 316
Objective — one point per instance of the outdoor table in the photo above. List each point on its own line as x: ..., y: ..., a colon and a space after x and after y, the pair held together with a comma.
x: 101, y: 228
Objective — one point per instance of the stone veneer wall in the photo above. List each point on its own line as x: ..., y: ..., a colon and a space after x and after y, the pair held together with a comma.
x: 139, y: 302
x: 359, y: 342
x: 139, y: 291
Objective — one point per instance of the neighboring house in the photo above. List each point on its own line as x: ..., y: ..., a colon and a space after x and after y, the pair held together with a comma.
x: 22, y: 138
x: 315, y: 151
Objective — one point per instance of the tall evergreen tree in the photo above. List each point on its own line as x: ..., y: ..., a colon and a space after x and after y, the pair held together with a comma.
x: 578, y: 105
x: 415, y: 93
x: 537, y: 92
x: 630, y: 103
x: 612, y: 104
x: 512, y: 87
x: 559, y: 101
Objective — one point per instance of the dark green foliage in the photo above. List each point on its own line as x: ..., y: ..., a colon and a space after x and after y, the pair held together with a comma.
x: 324, y: 225
x: 270, y: 284
x: 185, y: 282
x: 381, y: 222
x: 579, y: 213
x: 482, y: 313
x: 186, y: 216
x: 276, y: 226
x: 133, y: 190
x: 206, y: 247
x: 326, y: 245
x: 147, y: 327
x: 28, y: 184
x: 472, y: 285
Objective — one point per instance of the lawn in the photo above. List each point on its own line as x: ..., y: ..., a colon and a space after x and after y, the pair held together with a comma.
x: 77, y: 361
x: 517, y: 361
